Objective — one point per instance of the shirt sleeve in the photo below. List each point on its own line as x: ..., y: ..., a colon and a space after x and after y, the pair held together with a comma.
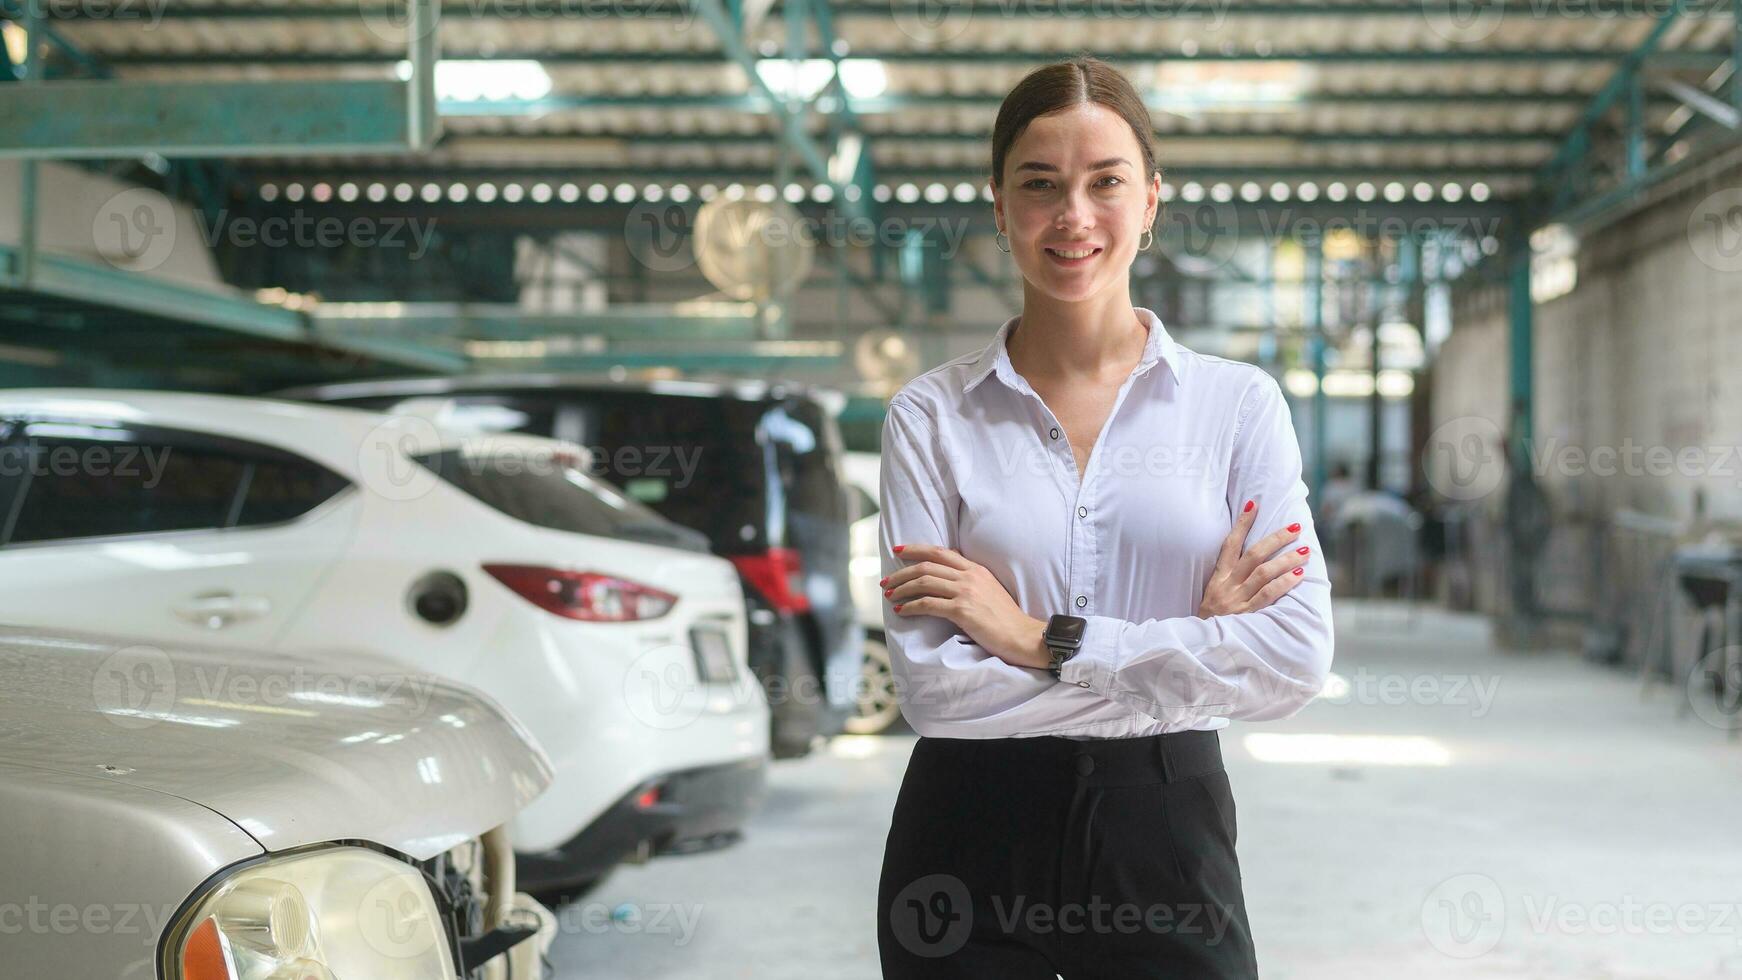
x: 1259, y: 665
x: 947, y: 685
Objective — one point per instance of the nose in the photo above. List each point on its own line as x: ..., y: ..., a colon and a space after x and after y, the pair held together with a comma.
x: 1073, y: 207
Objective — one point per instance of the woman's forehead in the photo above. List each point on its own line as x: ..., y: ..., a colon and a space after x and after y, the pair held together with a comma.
x: 1078, y: 135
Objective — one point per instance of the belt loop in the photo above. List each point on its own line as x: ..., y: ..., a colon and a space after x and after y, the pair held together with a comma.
x: 1163, y: 747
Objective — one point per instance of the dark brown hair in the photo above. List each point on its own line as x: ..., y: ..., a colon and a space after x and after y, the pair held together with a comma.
x: 1061, y: 85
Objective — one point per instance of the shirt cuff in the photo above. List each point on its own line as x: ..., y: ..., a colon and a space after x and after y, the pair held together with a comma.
x: 1093, y: 664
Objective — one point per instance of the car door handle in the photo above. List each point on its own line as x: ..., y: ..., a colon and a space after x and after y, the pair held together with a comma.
x: 216, y: 610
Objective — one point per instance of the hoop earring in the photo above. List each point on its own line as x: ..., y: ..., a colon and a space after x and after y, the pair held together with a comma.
x: 1002, y: 246
x: 1144, y: 246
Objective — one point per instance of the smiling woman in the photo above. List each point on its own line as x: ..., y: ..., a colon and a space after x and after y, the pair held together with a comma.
x: 1097, y: 553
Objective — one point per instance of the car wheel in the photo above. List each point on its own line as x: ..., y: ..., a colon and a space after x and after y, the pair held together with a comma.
x: 877, y: 708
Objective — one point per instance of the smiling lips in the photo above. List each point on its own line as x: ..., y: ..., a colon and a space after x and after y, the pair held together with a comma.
x: 1073, y: 256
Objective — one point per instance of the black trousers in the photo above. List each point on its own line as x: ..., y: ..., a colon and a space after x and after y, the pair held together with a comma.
x: 1026, y: 858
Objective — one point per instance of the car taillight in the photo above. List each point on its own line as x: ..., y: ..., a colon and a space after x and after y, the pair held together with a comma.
x: 587, y: 596
x: 778, y: 575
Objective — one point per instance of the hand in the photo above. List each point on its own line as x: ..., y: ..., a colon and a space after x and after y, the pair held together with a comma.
x: 940, y: 582
x: 1246, y: 582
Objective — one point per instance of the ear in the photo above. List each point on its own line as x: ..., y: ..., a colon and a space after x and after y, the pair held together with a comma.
x: 997, y: 203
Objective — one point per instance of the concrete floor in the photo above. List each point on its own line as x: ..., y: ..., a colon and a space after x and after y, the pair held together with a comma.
x: 1480, y: 815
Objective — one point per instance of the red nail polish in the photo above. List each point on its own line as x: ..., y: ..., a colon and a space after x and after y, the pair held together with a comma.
x: 883, y: 581
x: 1296, y: 571
x: 898, y: 607
x: 1301, y: 551
x: 1247, y: 507
x: 899, y: 547
x: 1294, y: 527
x: 888, y: 592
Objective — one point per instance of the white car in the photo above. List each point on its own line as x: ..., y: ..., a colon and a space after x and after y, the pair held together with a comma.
x: 879, y: 708
x: 494, y: 560
x: 181, y: 812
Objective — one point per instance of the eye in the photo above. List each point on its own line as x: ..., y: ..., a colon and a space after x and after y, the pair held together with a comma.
x: 1037, y: 180
x: 1111, y: 177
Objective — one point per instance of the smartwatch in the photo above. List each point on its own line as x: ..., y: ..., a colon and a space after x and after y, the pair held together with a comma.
x: 1064, y: 634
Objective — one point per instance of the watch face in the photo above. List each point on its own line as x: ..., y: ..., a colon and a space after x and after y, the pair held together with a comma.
x: 1066, y: 629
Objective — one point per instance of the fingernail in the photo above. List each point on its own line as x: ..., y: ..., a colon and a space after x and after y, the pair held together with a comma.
x: 1291, y: 527
x: 1247, y: 507
x: 1296, y: 571
x: 884, y: 581
x: 1301, y: 551
x: 888, y: 592
x: 898, y: 607
x: 899, y: 547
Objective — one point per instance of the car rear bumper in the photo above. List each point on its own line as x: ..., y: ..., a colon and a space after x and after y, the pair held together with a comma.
x: 694, y: 810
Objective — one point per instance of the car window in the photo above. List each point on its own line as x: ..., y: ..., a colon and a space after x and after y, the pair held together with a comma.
x: 86, y: 481
x: 82, y: 480
x: 553, y: 490
x: 279, y: 489
x: 807, y: 452
x: 692, y: 460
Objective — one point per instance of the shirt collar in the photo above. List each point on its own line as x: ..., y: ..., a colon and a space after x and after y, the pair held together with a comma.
x: 995, y: 359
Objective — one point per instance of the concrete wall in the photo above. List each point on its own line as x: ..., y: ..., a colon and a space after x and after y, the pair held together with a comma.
x: 1638, y: 367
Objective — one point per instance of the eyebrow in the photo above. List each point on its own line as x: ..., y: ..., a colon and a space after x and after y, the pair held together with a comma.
x: 1049, y: 168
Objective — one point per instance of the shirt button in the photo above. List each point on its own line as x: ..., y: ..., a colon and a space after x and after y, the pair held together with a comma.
x: 1082, y: 601
x: 1082, y: 512
x: 1085, y: 765
x: 1082, y: 683
x: 1055, y: 432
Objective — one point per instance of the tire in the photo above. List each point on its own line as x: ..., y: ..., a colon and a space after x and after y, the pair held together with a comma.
x: 877, y: 710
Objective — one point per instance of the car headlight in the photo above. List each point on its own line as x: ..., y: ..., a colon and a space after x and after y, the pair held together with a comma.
x: 342, y: 913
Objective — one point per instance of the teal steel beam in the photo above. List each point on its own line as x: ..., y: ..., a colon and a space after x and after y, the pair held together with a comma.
x: 898, y: 103
x: 29, y: 191
x: 972, y: 174
x: 1315, y: 321
x: 1555, y: 180
x: 747, y: 362
x: 107, y: 119
x: 498, y: 322
x: 85, y: 120
x: 460, y: 109
x: 792, y: 124
x: 1692, y: 59
x: 1520, y: 344
x: 680, y: 11
x: 64, y: 278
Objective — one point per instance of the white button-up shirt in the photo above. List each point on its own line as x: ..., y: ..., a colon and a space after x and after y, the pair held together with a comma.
x: 975, y: 461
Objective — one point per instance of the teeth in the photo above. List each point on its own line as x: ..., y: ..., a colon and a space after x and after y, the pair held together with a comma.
x: 1072, y: 255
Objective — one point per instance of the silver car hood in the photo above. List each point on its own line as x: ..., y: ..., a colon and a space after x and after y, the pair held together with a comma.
x: 294, y: 750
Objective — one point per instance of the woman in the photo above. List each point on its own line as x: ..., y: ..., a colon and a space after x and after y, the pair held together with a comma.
x: 1098, y: 551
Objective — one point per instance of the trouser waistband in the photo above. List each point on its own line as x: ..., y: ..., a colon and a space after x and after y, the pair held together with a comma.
x: 1169, y: 758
